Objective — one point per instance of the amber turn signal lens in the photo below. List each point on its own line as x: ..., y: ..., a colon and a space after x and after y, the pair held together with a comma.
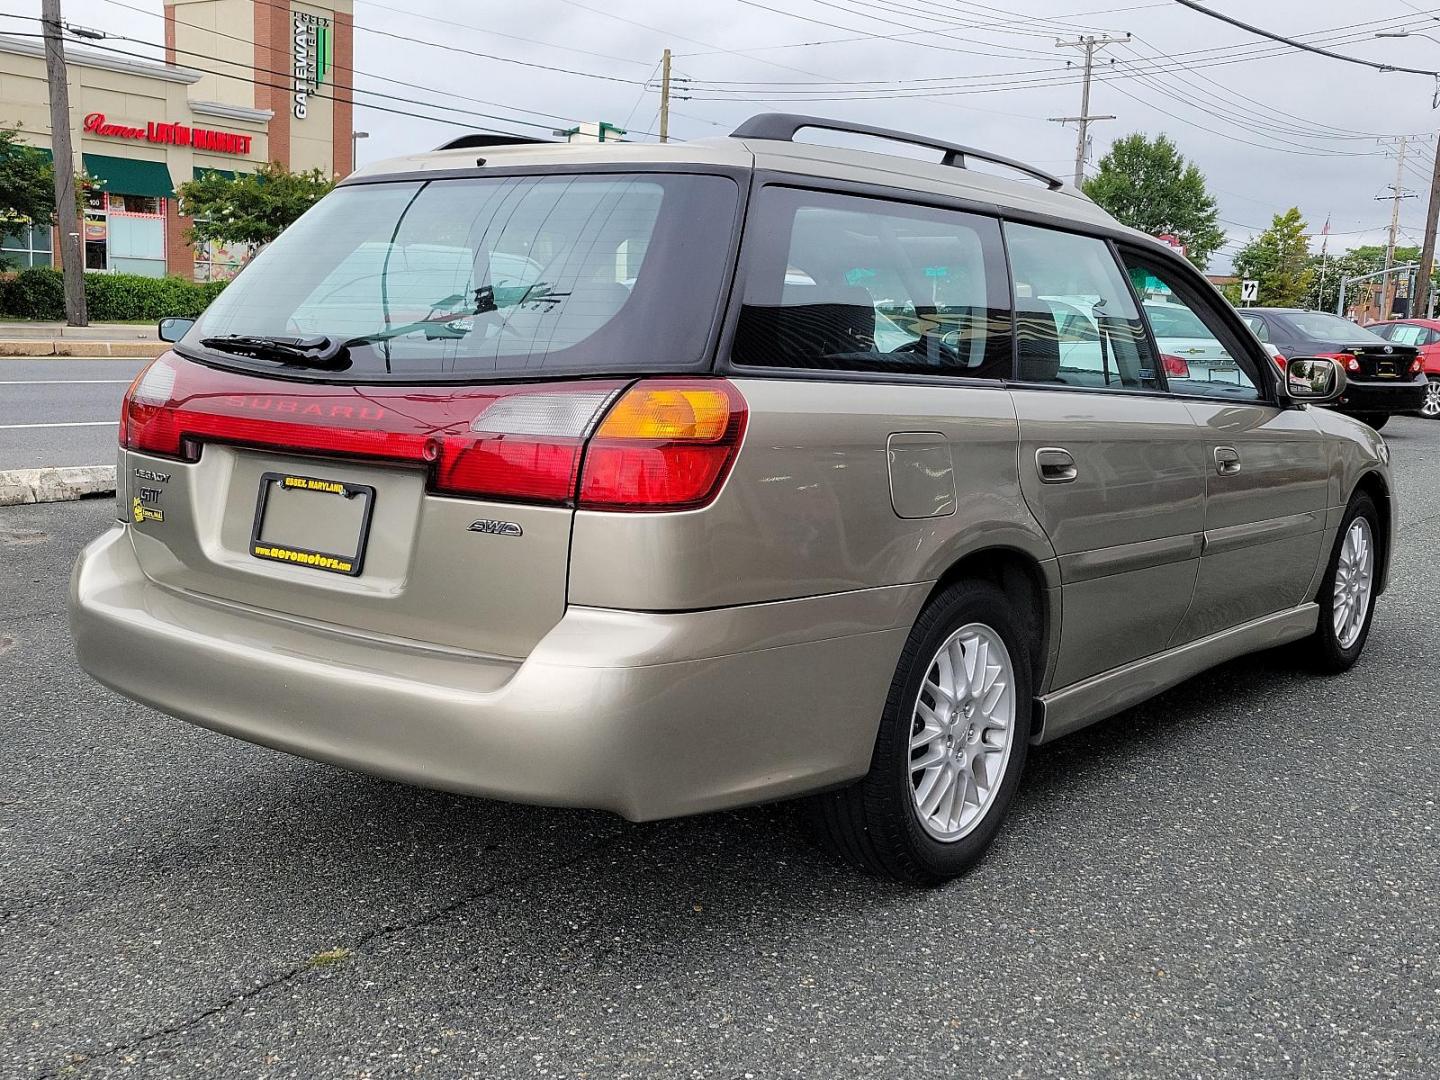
x: 691, y: 414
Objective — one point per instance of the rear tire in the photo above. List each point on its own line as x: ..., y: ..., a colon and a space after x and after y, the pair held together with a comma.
x: 1430, y: 407
x: 972, y: 733
x: 1349, y: 589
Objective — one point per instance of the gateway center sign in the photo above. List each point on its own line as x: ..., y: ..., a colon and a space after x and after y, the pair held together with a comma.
x: 314, y: 53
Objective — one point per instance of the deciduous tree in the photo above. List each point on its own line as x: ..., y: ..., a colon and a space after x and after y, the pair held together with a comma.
x: 1279, y: 258
x: 1147, y: 184
x: 252, y: 208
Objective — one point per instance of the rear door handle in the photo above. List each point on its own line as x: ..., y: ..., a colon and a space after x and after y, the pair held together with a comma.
x: 1227, y: 460
x: 1055, y: 465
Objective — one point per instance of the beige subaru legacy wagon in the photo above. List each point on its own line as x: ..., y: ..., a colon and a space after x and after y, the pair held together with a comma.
x: 669, y: 478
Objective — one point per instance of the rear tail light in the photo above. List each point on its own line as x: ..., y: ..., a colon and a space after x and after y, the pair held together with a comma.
x: 1175, y: 366
x: 1280, y: 360
x: 1416, y: 366
x: 1352, y: 365
x: 667, y: 444
x: 664, y: 444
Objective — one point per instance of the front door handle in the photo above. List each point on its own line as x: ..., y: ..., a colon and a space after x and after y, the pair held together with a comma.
x: 1227, y: 460
x: 1056, y: 466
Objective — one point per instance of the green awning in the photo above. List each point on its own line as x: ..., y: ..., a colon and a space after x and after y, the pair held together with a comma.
x: 199, y: 172
x: 130, y: 176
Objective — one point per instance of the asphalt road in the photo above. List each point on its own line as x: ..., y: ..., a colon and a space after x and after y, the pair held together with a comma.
x: 60, y: 411
x: 1238, y: 879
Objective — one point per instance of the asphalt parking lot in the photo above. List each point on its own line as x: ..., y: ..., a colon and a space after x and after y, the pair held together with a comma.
x: 1237, y: 879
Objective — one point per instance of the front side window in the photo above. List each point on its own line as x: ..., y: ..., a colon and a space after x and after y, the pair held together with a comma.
x: 1076, y: 323
x: 495, y: 276
x: 1200, y: 356
x: 837, y: 282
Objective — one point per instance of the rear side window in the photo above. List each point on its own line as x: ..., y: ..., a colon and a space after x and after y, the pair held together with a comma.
x: 1076, y: 321
x: 495, y: 276
x: 837, y: 282
x: 1257, y: 324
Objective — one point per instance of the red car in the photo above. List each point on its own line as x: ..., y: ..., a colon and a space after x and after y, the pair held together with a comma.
x: 1424, y: 334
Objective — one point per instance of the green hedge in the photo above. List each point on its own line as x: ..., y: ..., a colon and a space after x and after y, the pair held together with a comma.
x: 39, y: 293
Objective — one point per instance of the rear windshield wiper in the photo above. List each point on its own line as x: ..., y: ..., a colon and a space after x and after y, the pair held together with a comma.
x: 312, y: 352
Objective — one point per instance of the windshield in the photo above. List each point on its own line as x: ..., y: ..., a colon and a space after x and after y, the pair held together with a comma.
x: 497, y: 276
x: 1317, y: 324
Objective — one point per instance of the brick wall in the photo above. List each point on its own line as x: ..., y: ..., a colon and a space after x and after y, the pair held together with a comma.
x: 272, y: 53
x: 342, y: 86
x: 179, y: 257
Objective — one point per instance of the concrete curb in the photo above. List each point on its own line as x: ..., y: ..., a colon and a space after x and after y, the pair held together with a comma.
x: 55, y: 485
x: 40, y: 347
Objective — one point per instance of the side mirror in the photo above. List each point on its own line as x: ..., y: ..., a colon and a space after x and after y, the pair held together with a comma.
x: 1314, y: 379
x: 175, y: 329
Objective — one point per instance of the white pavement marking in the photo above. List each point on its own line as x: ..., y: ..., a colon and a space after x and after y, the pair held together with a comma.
x: 64, y: 382
x: 68, y: 423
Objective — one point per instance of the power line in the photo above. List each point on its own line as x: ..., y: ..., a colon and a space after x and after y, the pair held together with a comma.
x: 352, y: 70
x: 320, y: 95
x: 1294, y: 44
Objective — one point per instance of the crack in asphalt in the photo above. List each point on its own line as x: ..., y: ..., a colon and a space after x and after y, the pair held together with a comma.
x: 357, y: 945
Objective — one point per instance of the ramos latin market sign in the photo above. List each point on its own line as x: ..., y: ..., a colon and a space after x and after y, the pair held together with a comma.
x: 223, y: 142
x: 314, y: 51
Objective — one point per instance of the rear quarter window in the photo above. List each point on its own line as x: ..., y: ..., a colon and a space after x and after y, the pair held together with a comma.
x: 839, y: 282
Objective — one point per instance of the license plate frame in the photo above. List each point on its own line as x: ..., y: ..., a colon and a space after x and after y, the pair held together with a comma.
x: 329, y: 562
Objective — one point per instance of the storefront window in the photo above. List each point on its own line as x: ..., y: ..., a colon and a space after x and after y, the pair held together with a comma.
x: 216, y: 261
x: 23, y: 245
x: 125, y: 233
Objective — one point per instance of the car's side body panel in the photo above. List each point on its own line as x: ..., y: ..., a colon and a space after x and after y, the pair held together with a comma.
x: 809, y: 508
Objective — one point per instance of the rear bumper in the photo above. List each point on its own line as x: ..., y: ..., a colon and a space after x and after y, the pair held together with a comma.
x: 647, y: 715
x: 1383, y: 397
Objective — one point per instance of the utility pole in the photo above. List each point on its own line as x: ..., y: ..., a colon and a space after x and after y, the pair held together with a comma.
x: 72, y: 250
x: 665, y: 97
x: 1090, y: 43
x: 1397, y: 192
x: 1420, y: 303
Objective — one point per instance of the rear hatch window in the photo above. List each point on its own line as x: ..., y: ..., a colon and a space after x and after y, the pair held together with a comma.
x: 488, y: 277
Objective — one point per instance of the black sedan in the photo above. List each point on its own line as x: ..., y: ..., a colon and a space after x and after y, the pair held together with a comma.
x: 1384, y: 378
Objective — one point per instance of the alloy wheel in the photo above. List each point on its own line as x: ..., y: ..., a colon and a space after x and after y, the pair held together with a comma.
x: 1354, y: 577
x: 962, y: 732
x: 1430, y: 408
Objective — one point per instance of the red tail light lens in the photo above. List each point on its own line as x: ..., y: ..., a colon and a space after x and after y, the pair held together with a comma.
x: 1175, y: 366
x: 1352, y: 365
x: 666, y: 444
x: 1416, y: 366
x: 1280, y: 360
x: 520, y: 442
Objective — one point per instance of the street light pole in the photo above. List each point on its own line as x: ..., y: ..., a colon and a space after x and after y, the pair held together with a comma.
x: 1420, y: 301
x: 355, y: 137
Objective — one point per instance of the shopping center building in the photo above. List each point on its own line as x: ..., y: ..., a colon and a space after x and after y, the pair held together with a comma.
x: 245, y: 82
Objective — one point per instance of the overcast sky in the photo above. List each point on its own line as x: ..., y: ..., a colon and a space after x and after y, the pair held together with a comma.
x: 1270, y: 127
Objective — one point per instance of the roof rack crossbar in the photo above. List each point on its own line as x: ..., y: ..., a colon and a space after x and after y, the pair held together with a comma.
x: 783, y: 126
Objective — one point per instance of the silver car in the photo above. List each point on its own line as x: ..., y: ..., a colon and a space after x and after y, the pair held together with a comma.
x: 669, y: 478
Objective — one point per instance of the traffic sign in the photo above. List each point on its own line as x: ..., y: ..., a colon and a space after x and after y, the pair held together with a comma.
x: 1249, y: 291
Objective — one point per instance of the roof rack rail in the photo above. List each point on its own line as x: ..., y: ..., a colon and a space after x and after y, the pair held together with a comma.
x: 783, y: 126
x: 477, y: 138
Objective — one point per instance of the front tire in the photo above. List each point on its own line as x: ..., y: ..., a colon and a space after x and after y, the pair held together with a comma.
x: 952, y: 744
x: 1347, y: 593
